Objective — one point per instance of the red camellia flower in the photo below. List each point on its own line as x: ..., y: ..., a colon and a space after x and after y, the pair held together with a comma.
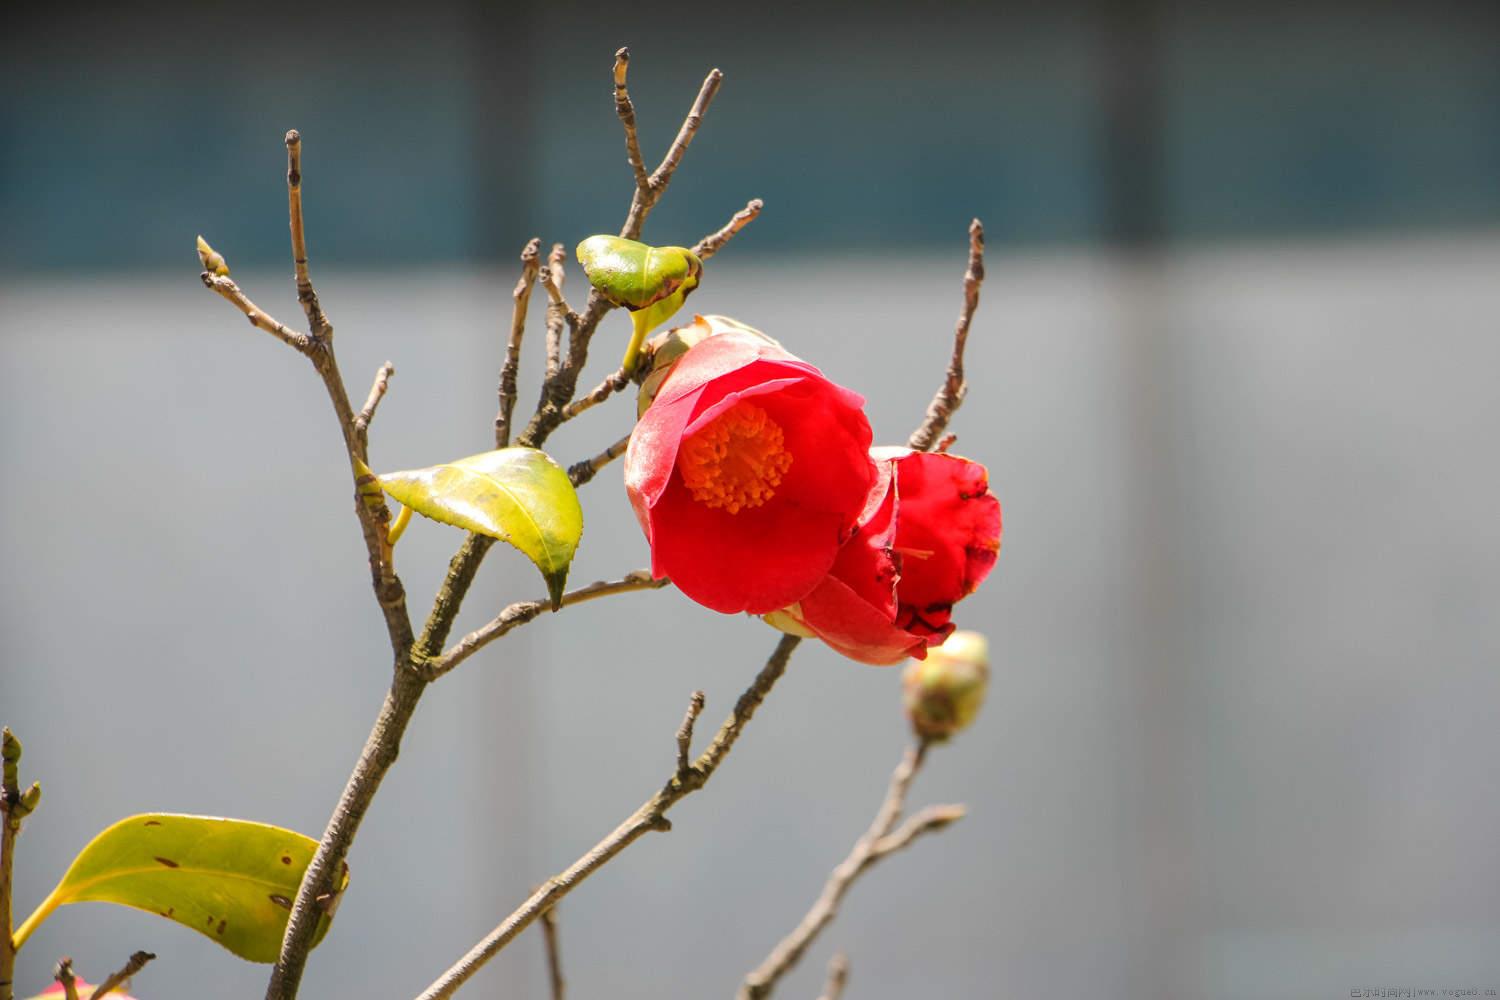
x: 748, y: 472
x: 929, y: 534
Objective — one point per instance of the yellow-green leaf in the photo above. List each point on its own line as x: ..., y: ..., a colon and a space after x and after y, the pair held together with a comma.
x: 229, y: 879
x: 635, y: 275
x: 518, y: 495
x: 652, y: 282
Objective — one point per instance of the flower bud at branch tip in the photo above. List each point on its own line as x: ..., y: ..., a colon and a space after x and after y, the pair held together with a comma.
x: 213, y: 262
x: 943, y: 693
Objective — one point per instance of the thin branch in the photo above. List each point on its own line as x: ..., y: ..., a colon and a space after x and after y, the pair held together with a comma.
x: 652, y: 815
x: 685, y: 732
x: 878, y: 842
x: 558, y: 313
x: 615, y: 382
x: 838, y: 977
x: 521, y: 298
x: 714, y: 242
x: 522, y: 612
x: 258, y: 318
x: 950, y: 394
x: 925, y: 820
x: 367, y: 412
x: 581, y: 472
x: 62, y: 972
x: 381, y: 748
x: 379, y: 753
x: 646, y: 196
x: 10, y: 826
x: 317, y: 322
x: 554, y: 955
x: 626, y: 110
x: 562, y: 381
x: 136, y: 964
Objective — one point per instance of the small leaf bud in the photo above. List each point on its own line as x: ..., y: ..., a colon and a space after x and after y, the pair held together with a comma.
x: 211, y: 259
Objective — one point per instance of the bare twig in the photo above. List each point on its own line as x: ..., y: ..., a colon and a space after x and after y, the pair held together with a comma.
x: 626, y: 110
x: 521, y: 298
x: 685, y: 732
x: 317, y: 322
x: 838, y: 976
x: 554, y: 955
x: 950, y: 394
x: 581, y: 472
x: 374, y: 518
x: 522, y: 612
x: 373, y: 514
x: 714, y: 242
x: 10, y: 826
x: 367, y: 412
x: 558, y: 313
x: 226, y: 287
x: 924, y: 820
x: 646, y: 196
x: 136, y: 964
x: 62, y: 972
x: 652, y: 815
x: 877, y: 842
x: 616, y: 382
x: 562, y: 382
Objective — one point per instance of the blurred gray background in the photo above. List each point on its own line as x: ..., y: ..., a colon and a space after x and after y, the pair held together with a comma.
x: 1234, y: 375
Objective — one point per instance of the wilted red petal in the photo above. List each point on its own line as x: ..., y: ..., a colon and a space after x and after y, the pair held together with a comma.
x: 928, y: 535
x: 948, y: 534
x: 853, y: 609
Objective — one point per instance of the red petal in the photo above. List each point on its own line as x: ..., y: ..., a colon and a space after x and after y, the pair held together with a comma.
x: 758, y: 560
x: 948, y: 534
x: 767, y: 557
x: 856, y: 628
x: 867, y: 564
x: 719, y: 356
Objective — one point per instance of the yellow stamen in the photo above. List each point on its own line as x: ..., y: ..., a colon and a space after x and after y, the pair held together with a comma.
x: 737, y: 461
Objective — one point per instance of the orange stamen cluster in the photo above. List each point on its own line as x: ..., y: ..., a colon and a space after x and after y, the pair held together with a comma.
x: 737, y: 461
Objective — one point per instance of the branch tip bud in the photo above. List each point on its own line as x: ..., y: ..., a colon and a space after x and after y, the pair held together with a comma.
x: 943, y: 693
x: 213, y: 262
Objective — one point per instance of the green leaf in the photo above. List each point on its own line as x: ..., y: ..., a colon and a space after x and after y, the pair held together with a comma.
x: 635, y: 275
x: 229, y: 879
x: 518, y: 495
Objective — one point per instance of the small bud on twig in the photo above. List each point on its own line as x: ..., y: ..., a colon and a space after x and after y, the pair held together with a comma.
x: 28, y: 801
x: 943, y: 692
x: 213, y: 262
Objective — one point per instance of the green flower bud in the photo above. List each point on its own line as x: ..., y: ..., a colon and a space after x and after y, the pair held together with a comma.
x: 943, y: 692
